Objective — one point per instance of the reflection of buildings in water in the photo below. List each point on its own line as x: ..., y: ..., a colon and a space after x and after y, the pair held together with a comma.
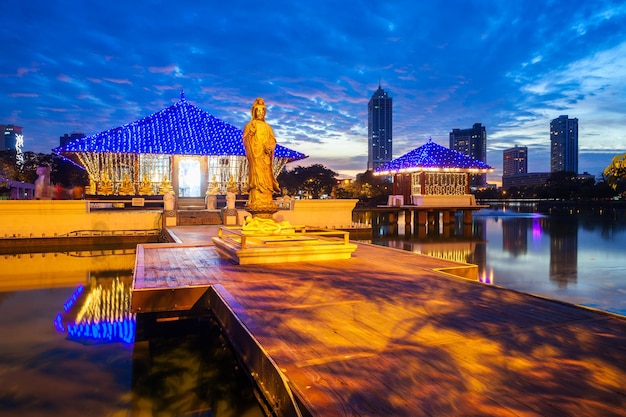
x: 515, y: 235
x: 99, y: 313
x: 564, y: 251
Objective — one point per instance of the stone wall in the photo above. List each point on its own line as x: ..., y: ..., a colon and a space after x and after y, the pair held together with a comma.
x: 49, y: 218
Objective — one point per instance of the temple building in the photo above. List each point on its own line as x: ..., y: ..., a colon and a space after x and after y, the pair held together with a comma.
x: 181, y: 148
x: 433, y: 175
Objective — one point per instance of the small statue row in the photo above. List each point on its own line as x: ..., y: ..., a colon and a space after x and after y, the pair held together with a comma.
x: 105, y: 186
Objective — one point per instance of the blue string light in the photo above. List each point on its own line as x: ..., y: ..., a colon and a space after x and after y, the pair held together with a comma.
x: 181, y: 129
x: 432, y: 156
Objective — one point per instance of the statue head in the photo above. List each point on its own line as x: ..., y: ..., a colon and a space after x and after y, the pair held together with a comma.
x: 259, y: 104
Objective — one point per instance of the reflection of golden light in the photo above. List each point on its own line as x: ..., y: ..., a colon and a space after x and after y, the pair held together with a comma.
x: 486, y: 279
x: 451, y: 255
x: 110, y: 304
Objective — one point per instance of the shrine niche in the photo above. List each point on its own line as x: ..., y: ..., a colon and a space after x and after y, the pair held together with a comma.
x: 182, y: 149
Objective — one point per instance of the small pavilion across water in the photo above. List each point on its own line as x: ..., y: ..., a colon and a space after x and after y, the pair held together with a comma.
x: 433, y: 179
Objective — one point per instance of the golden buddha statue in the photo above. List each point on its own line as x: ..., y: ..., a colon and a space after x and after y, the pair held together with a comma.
x: 105, y: 187
x: 127, y: 187
x: 146, y: 186
x: 231, y: 186
x: 165, y: 186
x: 91, y: 188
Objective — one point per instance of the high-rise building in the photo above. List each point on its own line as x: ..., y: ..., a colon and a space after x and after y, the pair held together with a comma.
x: 515, y: 161
x: 472, y: 142
x: 564, y: 144
x: 379, y: 129
x: 12, y: 138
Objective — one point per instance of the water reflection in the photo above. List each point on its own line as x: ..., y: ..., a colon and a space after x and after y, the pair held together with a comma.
x: 69, y: 345
x: 575, y: 258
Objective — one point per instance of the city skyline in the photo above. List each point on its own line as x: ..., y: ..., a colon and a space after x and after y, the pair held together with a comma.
x: 513, y: 67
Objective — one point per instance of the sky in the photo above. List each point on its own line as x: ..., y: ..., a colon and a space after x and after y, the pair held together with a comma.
x: 512, y: 65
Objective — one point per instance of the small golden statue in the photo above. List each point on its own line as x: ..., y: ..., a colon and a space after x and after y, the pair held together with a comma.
x: 127, y: 187
x: 231, y: 186
x: 146, y: 186
x: 91, y: 188
x: 214, y: 187
x: 165, y: 186
x: 105, y: 187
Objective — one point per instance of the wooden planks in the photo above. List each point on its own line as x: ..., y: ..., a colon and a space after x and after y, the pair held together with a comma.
x: 384, y: 334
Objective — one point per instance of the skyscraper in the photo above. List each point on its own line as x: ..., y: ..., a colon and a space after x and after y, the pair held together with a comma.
x: 379, y: 129
x: 564, y: 144
x: 515, y: 161
x: 12, y: 138
x: 472, y: 142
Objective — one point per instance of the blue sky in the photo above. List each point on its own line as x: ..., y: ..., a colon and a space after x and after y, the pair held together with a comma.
x: 511, y: 65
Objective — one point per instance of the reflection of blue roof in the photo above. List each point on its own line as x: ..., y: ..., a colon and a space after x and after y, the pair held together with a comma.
x: 432, y: 156
x: 181, y: 129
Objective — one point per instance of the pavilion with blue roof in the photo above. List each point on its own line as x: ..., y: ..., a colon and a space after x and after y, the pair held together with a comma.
x: 181, y: 144
x: 434, y: 176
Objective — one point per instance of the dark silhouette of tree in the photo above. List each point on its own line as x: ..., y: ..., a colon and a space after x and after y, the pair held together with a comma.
x: 371, y: 190
x: 63, y: 172
x: 308, y: 182
x: 615, y: 174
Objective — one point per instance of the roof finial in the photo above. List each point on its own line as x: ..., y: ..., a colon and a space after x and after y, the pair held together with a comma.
x: 182, y: 94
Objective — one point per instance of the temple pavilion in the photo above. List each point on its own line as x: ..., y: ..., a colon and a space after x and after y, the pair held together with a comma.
x: 181, y: 148
x: 432, y: 175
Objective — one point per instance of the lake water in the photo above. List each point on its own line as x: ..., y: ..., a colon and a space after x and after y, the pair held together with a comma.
x: 577, y: 258
x: 68, y: 346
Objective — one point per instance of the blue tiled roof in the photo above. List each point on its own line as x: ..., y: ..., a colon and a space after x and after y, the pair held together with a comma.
x: 181, y: 129
x: 432, y: 156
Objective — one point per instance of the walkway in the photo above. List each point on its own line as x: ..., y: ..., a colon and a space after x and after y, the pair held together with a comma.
x: 383, y: 334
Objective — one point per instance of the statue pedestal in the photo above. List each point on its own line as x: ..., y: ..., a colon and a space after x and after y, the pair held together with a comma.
x: 262, y: 211
x: 292, y: 244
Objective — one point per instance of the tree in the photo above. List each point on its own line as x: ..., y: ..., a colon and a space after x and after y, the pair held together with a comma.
x: 308, y: 182
x: 615, y: 173
x: 371, y: 190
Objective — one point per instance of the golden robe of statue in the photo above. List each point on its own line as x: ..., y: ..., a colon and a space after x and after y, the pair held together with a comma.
x: 259, y: 142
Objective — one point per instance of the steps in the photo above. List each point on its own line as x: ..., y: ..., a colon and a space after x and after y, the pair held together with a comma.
x: 192, y: 211
x: 191, y: 203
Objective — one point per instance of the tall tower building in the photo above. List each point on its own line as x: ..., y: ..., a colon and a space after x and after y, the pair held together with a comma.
x: 564, y: 144
x: 472, y: 142
x: 515, y: 161
x: 12, y: 138
x: 379, y: 129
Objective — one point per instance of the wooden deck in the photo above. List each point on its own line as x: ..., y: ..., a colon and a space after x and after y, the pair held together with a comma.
x: 384, y: 334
